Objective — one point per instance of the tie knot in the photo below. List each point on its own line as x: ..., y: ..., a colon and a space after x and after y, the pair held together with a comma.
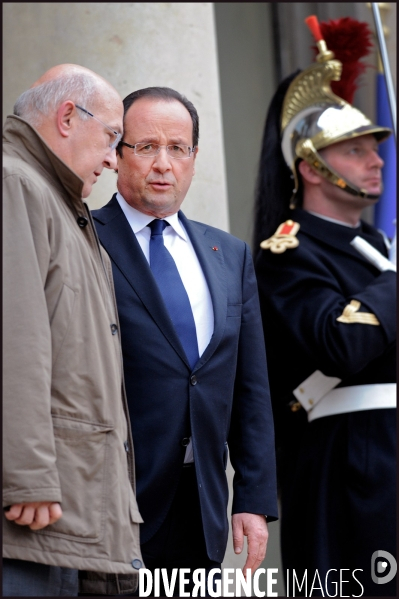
x: 157, y: 226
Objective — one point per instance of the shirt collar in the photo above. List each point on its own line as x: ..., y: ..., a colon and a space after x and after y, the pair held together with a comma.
x: 138, y: 220
x: 334, y: 220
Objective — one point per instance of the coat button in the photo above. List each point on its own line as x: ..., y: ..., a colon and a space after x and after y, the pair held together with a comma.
x: 137, y: 564
x: 114, y: 329
x: 126, y: 445
x: 82, y: 221
x: 185, y: 441
x: 193, y: 380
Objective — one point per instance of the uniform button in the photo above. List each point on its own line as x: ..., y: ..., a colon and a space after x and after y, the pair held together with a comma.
x: 137, y: 564
x: 82, y: 221
x: 185, y: 441
x: 126, y: 444
x: 114, y: 329
x: 193, y: 380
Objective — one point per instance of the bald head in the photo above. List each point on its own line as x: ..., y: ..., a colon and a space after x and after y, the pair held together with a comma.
x: 68, y: 70
x: 79, y: 115
x: 61, y: 82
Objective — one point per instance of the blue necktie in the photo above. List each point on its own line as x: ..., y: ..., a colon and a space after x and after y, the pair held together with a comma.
x: 173, y: 291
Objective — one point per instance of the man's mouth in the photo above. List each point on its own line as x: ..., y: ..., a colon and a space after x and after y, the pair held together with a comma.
x: 160, y: 184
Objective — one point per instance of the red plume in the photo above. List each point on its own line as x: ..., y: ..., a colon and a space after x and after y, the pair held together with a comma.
x: 313, y: 23
x: 350, y: 40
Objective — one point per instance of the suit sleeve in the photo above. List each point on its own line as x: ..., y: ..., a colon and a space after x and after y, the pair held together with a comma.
x: 251, y: 437
x: 29, y: 458
x: 302, y: 294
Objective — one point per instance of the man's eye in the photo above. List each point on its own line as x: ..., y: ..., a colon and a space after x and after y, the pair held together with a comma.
x: 146, y: 149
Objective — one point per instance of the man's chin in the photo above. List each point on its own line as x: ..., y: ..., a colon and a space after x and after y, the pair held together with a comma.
x: 376, y: 189
x: 86, y: 191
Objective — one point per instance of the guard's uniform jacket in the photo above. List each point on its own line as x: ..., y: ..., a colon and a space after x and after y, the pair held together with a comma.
x: 338, y: 468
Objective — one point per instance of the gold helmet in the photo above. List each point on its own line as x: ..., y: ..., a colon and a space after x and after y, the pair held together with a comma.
x: 313, y: 117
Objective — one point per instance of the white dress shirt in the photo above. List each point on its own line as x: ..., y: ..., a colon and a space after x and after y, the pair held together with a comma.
x: 178, y: 243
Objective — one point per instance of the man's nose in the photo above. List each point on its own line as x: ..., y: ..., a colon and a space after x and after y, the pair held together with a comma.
x: 162, y: 161
x: 110, y: 160
x: 376, y: 160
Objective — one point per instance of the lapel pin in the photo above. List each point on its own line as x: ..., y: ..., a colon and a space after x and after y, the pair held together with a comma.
x: 215, y: 249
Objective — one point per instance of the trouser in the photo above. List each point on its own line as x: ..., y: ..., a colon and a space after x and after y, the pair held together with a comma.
x: 30, y: 579
x: 342, y: 481
x: 180, y: 542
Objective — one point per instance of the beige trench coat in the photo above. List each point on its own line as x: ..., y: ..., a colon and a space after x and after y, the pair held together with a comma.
x: 66, y: 430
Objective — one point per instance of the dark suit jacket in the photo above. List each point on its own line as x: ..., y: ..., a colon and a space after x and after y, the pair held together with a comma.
x: 223, y: 402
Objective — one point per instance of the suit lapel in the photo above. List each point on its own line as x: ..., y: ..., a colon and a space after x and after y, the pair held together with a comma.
x: 213, y: 266
x: 122, y: 246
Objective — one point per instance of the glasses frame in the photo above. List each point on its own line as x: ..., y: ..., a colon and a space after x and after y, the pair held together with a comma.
x: 191, y: 149
x: 115, y: 143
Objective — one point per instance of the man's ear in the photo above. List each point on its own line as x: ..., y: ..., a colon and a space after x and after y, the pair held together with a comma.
x: 309, y: 174
x: 64, y: 115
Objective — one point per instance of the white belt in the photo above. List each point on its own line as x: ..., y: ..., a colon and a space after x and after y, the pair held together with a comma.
x: 354, y: 399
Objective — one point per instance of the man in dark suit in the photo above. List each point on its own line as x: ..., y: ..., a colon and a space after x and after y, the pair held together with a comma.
x: 196, y: 380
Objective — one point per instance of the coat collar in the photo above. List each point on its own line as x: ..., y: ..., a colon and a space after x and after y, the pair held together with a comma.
x: 121, y: 244
x: 34, y: 149
x: 338, y: 236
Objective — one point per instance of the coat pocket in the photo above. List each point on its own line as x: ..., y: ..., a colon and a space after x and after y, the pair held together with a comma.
x: 82, y: 457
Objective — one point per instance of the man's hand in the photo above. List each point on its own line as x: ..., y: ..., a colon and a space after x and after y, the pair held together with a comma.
x: 36, y: 515
x: 253, y: 526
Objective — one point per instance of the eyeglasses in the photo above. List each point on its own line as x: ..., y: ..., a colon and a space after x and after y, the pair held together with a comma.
x: 118, y: 135
x: 149, y: 150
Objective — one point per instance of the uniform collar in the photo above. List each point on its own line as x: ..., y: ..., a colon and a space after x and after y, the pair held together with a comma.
x: 334, y: 220
x: 336, y: 234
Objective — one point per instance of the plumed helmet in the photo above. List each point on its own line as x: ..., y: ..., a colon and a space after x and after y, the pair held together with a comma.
x: 314, y: 117
x: 310, y: 110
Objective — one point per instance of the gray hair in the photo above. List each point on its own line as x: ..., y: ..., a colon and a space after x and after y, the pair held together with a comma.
x: 40, y: 101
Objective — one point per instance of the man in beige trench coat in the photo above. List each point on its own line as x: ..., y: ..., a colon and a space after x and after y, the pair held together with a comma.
x: 68, y: 484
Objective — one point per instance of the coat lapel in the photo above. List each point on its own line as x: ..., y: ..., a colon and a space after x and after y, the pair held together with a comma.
x: 213, y: 266
x: 122, y: 246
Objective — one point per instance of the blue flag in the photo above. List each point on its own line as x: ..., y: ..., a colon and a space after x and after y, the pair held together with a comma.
x: 385, y: 210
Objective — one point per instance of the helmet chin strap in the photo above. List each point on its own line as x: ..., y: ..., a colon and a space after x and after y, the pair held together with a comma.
x: 306, y: 150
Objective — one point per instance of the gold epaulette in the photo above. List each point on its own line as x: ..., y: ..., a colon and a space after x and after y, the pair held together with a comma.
x: 283, y: 239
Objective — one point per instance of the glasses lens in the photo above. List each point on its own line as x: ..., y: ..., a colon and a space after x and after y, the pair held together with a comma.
x: 146, y: 149
x: 178, y: 151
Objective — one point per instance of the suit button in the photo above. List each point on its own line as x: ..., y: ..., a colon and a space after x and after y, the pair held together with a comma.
x: 137, y: 564
x: 185, y: 441
x: 193, y: 380
x: 114, y: 329
x: 82, y: 221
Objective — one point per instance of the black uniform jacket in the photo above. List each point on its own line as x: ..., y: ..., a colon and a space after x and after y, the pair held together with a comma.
x: 304, y: 290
